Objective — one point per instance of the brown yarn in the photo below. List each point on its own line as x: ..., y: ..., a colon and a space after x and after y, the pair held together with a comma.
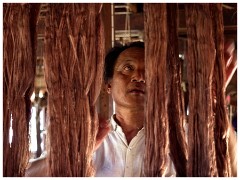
x: 222, y: 124
x: 74, y: 64
x: 201, y: 61
x: 156, y: 123
x: 19, y: 38
x: 176, y: 115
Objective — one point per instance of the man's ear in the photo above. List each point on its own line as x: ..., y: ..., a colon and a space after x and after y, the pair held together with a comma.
x: 108, y: 87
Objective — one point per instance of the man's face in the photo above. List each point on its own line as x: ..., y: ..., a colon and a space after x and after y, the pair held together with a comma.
x: 128, y: 83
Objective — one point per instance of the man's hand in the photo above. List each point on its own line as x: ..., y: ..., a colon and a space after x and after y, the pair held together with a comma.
x: 38, y: 168
x: 104, y: 128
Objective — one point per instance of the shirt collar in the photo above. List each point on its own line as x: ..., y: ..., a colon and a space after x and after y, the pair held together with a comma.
x: 115, y: 126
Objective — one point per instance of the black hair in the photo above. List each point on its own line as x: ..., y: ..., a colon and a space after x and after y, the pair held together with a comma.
x: 112, y: 55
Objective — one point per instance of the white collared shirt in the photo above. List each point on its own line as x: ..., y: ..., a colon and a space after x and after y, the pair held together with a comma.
x: 115, y: 157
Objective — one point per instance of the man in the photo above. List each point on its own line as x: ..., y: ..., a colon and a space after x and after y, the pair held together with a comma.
x: 121, y: 152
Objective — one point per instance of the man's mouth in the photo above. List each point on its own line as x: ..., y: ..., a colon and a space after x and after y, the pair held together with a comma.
x: 137, y: 91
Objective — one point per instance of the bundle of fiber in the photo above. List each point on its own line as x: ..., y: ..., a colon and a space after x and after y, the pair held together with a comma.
x: 74, y: 51
x: 176, y: 114
x: 18, y: 82
x: 207, y: 135
x: 156, y: 122
x: 222, y: 124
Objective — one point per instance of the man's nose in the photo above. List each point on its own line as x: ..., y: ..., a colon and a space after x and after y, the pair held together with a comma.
x: 138, y: 76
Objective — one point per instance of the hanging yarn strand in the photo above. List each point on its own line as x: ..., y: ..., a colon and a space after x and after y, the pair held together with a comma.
x: 221, y: 119
x: 73, y: 60
x: 19, y: 44
x: 156, y: 122
x: 200, y: 66
x: 176, y: 115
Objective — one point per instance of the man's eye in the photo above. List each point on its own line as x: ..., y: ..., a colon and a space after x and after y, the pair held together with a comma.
x: 128, y: 68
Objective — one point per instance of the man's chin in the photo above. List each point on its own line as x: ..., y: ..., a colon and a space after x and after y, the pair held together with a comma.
x: 139, y: 102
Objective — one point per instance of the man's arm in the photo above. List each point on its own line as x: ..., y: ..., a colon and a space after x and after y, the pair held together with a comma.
x: 231, y: 66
